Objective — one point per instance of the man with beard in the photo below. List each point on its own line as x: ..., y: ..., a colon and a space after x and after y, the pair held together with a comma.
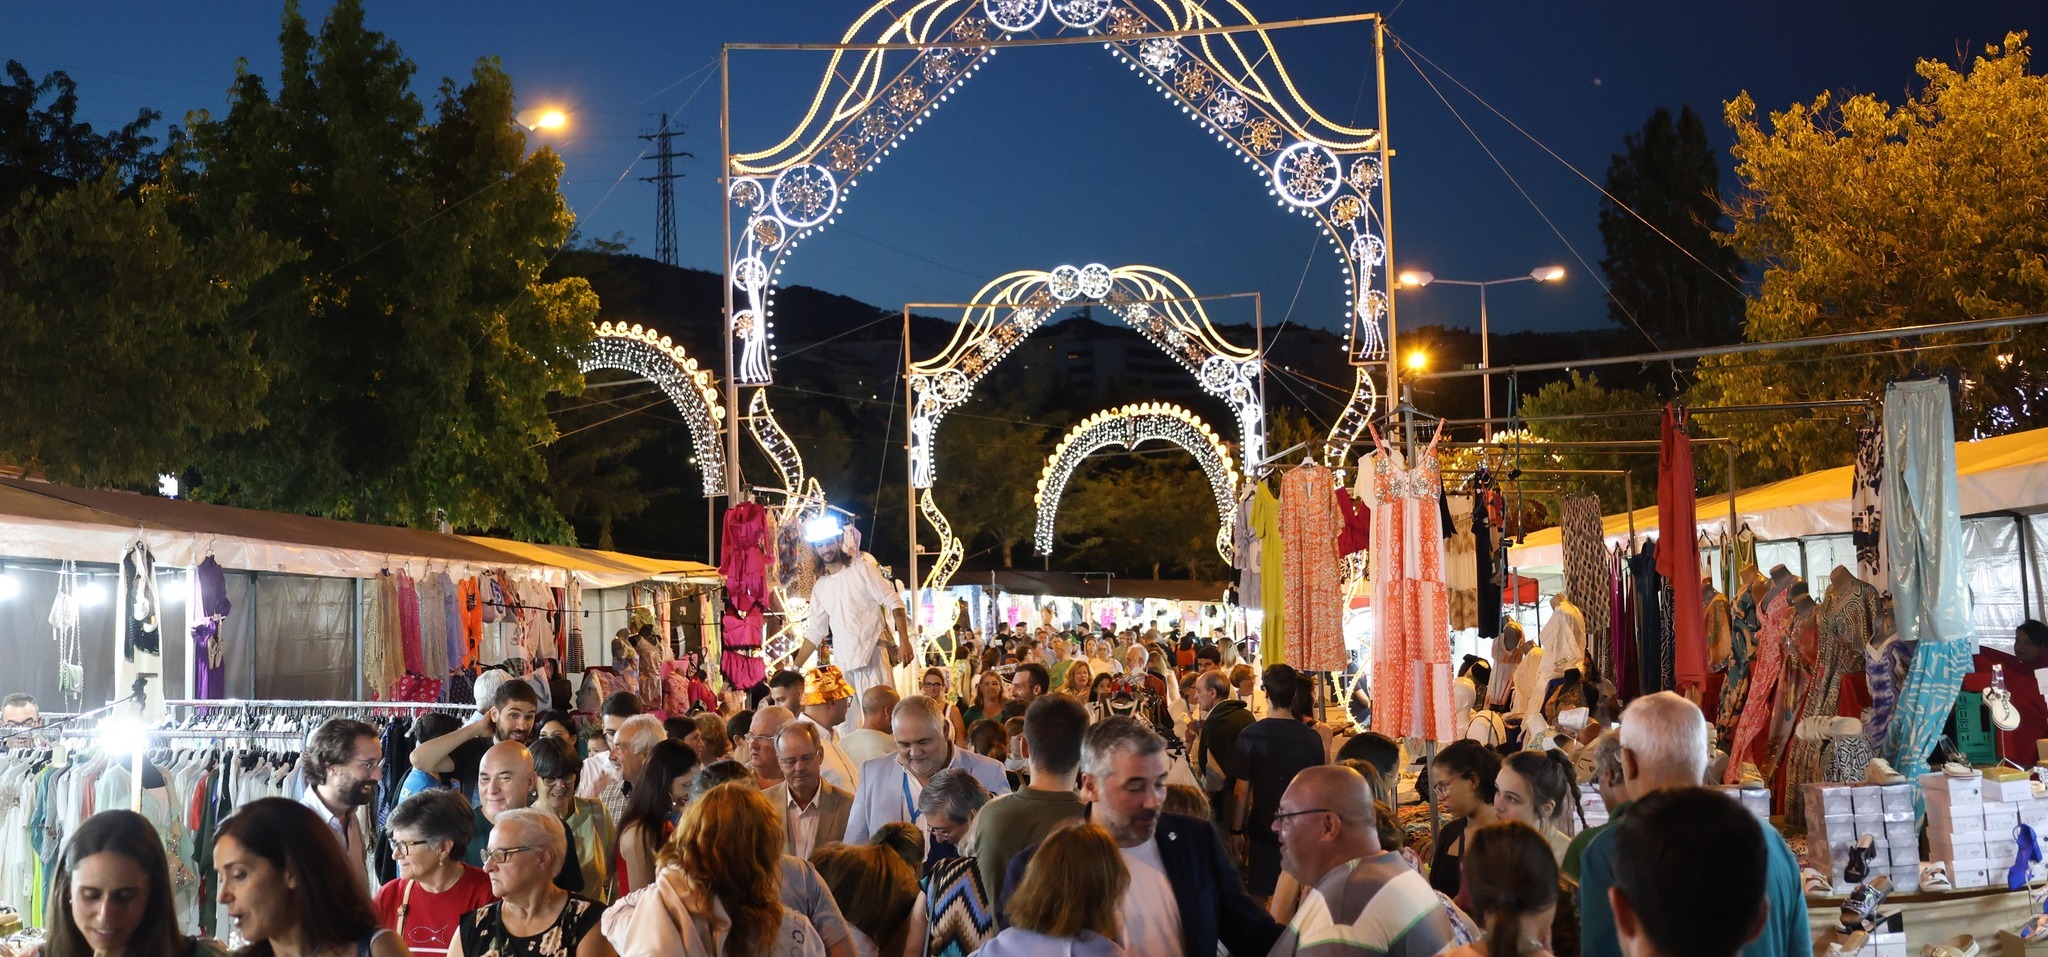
x: 343, y: 765
x: 506, y: 782
x: 508, y: 716
x: 1184, y: 896
x: 891, y: 786
x: 855, y: 607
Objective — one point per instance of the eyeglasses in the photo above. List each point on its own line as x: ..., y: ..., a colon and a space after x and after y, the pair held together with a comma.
x: 401, y: 848
x: 1277, y: 818
x: 499, y: 855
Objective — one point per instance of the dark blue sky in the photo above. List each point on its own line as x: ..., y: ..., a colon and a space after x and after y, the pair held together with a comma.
x: 1062, y: 155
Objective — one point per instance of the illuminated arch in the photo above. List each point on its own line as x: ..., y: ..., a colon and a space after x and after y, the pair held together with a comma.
x: 1128, y: 427
x: 1155, y: 302
x: 657, y: 358
x: 1234, y: 85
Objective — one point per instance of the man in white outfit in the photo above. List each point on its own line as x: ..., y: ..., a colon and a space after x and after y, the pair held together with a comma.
x: 854, y: 606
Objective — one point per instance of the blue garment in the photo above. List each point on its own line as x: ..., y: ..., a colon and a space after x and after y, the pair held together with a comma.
x: 1213, y: 903
x: 1923, y: 535
x: 417, y: 781
x: 1785, y: 927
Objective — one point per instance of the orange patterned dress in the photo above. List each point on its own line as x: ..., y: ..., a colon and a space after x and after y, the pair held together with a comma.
x: 1411, y: 668
x: 1309, y: 523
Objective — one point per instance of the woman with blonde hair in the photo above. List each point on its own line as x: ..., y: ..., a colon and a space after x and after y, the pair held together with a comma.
x: 1066, y: 905
x: 718, y: 892
x: 1078, y: 678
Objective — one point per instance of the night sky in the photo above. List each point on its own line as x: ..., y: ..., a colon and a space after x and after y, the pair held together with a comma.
x: 1063, y: 155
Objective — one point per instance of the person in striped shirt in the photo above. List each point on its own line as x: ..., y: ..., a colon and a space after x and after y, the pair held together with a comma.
x: 1362, y: 898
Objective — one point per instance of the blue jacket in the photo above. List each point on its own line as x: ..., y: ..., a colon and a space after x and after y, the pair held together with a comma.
x: 1213, y: 902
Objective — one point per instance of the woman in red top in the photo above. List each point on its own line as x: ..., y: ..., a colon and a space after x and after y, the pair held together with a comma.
x: 424, y: 906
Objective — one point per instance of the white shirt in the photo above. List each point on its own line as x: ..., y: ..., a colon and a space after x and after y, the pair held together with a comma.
x: 599, y: 770
x: 1150, y: 915
x: 865, y: 744
x: 347, y: 831
x: 849, y: 605
x: 1564, y: 641
x: 836, y: 767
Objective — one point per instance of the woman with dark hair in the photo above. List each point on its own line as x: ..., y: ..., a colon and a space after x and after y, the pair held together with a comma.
x: 1540, y: 789
x: 557, y: 725
x: 1511, y: 883
x: 430, y: 832
x: 1464, y: 777
x: 287, y: 886
x: 427, y: 728
x: 874, y: 889
x: 934, y: 684
x: 658, y: 797
x: 719, y: 890
x: 597, y: 841
x: 111, y: 894
x: 1099, y: 687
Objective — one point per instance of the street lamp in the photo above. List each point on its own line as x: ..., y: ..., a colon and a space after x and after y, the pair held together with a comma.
x: 549, y: 118
x: 1418, y: 361
x: 1416, y: 279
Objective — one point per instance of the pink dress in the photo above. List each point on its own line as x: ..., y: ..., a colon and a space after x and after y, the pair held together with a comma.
x: 1310, y: 525
x: 1764, y: 671
x: 1411, y: 667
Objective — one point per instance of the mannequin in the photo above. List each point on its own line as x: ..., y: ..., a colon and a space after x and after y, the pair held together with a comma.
x: 1507, y: 658
x: 1774, y: 617
x: 1742, y: 621
x: 1885, y: 664
x: 1564, y: 642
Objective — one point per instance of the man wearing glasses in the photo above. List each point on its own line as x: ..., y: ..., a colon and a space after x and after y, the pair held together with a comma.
x: 17, y: 713
x: 1364, y: 894
x: 343, y: 765
x: 602, y: 769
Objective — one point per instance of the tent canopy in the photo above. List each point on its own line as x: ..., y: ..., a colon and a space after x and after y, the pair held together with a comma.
x: 1069, y: 585
x: 2008, y: 473
x: 40, y: 520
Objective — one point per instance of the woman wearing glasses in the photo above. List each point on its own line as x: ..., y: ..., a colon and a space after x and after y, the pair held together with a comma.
x: 430, y: 831
x: 532, y: 917
x: 597, y: 842
x: 935, y: 684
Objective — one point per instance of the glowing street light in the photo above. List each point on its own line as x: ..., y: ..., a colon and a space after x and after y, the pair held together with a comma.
x: 550, y: 119
x: 1418, y: 361
x: 1418, y: 278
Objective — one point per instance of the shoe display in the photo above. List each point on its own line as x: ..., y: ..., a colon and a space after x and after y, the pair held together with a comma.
x: 1964, y: 946
x: 1880, y: 771
x: 1860, y: 910
x: 1858, y: 867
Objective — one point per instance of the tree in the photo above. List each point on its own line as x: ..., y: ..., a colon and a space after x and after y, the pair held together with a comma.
x: 1581, y: 394
x: 44, y: 148
x: 413, y: 350
x: 1143, y: 513
x: 121, y: 360
x: 1867, y: 215
x: 989, y: 458
x: 1683, y: 286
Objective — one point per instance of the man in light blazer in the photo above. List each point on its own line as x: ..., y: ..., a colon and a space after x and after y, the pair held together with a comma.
x: 891, y: 785
x: 814, y: 812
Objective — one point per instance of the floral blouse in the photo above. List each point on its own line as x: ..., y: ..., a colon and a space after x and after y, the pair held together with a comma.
x: 483, y: 931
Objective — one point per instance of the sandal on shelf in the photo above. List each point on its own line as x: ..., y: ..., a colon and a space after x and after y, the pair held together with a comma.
x: 1934, y: 876
x: 1860, y: 910
x: 1880, y: 771
x: 1748, y: 774
x: 1858, y: 867
x: 1815, y: 883
x: 1964, y: 946
x: 1957, y: 769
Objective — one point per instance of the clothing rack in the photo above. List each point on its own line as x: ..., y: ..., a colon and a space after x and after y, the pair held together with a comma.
x: 286, y: 704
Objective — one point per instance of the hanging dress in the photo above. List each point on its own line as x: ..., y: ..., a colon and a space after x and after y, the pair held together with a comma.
x: 1309, y: 524
x: 1411, y: 609
x: 1272, y: 577
x: 1774, y: 618
x: 1846, y: 617
x: 744, y: 565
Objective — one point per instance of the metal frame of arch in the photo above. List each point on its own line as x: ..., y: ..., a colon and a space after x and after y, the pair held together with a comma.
x: 644, y: 352
x: 1128, y: 427
x: 899, y: 62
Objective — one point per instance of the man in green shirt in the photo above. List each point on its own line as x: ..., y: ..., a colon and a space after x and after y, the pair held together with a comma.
x: 1053, y: 727
x: 1613, y: 796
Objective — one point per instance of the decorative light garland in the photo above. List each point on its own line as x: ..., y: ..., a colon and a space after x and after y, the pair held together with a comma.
x: 951, y: 551
x: 656, y: 357
x: 1234, y: 85
x: 1155, y: 302
x: 781, y: 451
x: 1127, y: 427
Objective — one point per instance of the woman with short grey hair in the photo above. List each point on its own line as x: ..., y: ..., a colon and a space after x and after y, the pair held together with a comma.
x: 533, y: 917
x: 429, y: 832
x: 949, y: 805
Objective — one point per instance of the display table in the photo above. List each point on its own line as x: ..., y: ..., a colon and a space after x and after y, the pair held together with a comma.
x: 1939, y: 917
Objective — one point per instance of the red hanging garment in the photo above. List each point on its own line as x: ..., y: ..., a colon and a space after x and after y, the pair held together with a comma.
x: 1678, y: 553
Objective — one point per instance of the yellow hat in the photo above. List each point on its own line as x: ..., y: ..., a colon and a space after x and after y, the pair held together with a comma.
x: 826, y: 684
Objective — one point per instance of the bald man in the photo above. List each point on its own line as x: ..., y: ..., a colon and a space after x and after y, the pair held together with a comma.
x: 767, y: 724
x: 505, y: 782
x: 1370, y: 898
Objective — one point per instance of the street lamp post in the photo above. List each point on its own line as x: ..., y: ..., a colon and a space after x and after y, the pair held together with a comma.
x: 1416, y: 279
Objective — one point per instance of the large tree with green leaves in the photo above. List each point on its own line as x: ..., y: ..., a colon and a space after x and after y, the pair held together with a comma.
x: 121, y: 358
x: 1665, y: 263
x: 1868, y: 215
x: 413, y: 348
x: 45, y: 147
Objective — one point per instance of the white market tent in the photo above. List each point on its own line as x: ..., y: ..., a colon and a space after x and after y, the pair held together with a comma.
x: 1803, y: 523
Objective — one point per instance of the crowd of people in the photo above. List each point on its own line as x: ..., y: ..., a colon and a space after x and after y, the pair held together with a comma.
x: 1005, y: 810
